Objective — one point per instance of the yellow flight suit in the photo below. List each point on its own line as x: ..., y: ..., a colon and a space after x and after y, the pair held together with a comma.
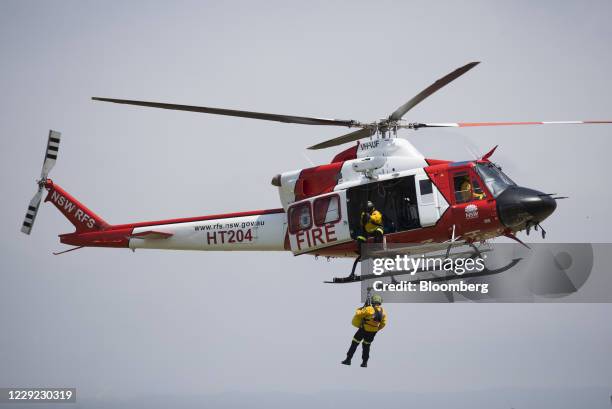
x: 374, y: 223
x: 369, y: 320
x: 468, y: 193
x: 366, y: 318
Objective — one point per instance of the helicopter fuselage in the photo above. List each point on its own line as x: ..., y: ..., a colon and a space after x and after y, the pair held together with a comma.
x: 422, y: 200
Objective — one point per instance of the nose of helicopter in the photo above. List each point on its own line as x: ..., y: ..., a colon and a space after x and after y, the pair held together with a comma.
x: 520, y: 205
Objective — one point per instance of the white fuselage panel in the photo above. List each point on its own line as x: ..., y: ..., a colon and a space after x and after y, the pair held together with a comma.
x: 261, y: 232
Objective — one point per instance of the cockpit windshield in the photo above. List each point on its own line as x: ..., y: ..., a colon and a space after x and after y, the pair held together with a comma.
x: 494, y: 178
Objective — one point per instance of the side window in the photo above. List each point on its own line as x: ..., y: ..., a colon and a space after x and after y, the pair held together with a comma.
x: 462, y: 187
x: 300, y: 217
x: 326, y: 210
x: 426, y: 191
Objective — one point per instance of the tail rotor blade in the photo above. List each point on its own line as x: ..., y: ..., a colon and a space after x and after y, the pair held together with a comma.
x: 31, y: 213
x: 51, y: 153
x: 53, y: 142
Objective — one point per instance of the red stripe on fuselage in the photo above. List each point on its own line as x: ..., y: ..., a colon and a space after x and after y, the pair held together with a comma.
x: 199, y: 218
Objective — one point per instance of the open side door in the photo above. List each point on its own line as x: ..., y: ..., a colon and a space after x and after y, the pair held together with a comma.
x: 318, y: 222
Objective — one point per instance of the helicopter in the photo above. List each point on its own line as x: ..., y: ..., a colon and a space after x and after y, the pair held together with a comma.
x: 427, y: 204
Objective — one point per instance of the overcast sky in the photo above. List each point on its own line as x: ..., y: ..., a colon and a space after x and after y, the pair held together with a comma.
x: 123, y: 326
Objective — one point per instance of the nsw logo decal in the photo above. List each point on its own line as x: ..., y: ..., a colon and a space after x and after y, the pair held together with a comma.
x: 471, y: 211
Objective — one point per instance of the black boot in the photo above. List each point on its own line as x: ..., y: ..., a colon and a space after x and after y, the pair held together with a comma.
x: 350, y: 352
x: 365, y: 356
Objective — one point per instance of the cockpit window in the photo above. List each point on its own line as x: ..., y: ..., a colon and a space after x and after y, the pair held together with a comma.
x: 467, y: 187
x: 494, y: 178
x: 463, y: 188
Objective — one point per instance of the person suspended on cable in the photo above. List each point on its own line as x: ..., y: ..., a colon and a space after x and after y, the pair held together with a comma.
x: 369, y: 320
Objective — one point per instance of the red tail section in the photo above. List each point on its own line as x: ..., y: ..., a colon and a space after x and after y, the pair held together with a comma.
x: 83, y: 219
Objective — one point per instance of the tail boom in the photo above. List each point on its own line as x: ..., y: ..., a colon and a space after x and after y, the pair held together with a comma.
x: 258, y: 230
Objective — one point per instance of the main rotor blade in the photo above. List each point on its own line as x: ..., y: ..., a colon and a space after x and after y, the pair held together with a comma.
x: 401, y: 111
x: 349, y: 137
x: 474, y: 124
x: 232, y: 112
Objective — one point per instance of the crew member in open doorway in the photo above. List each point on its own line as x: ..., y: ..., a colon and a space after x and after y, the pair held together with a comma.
x: 371, y: 226
x: 370, y: 319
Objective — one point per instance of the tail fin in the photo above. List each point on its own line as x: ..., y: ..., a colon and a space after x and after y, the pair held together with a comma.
x: 83, y: 219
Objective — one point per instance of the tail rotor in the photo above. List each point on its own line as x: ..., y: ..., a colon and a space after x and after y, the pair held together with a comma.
x: 48, y: 163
